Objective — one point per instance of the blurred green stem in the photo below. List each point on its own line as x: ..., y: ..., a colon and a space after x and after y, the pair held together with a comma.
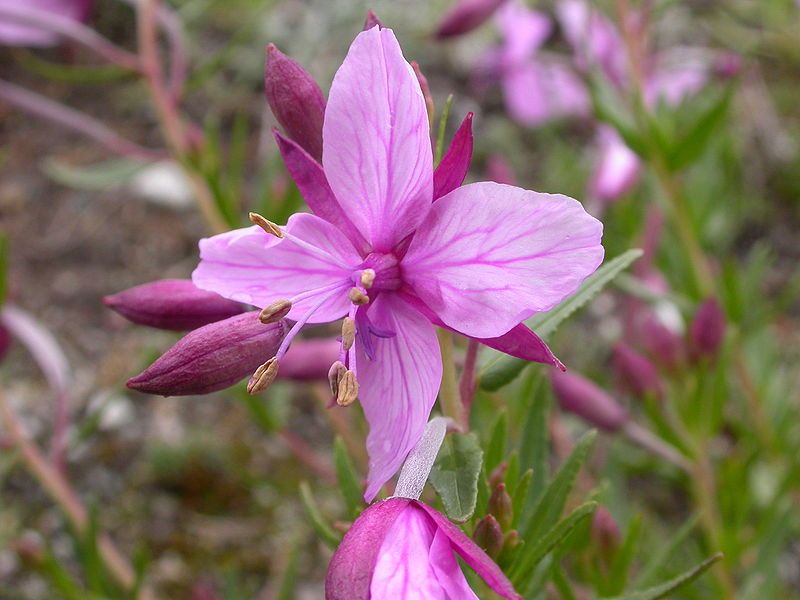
x: 448, y: 393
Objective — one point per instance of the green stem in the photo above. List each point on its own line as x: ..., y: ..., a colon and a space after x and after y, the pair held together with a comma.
x: 448, y: 393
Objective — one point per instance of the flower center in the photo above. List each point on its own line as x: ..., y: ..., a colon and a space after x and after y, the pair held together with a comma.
x: 387, y: 271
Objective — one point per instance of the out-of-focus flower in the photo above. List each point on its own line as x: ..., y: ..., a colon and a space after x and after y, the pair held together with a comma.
x: 385, y: 252
x: 635, y: 373
x: 707, y: 331
x: 465, y: 16
x: 605, y: 530
x: 173, y: 304
x: 296, y: 100
x: 5, y: 342
x: 17, y: 33
x: 402, y: 549
x: 616, y: 169
x: 309, y: 360
x: 212, y: 357
x: 661, y: 343
x: 163, y: 183
x: 584, y: 398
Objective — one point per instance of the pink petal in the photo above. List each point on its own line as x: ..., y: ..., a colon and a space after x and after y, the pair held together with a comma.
x: 455, y: 163
x: 617, y: 168
x: 546, y: 89
x: 350, y: 570
x: 593, y: 38
x: 253, y: 267
x: 398, y: 388
x: 404, y: 570
x: 16, y: 34
x: 476, y: 558
x: 310, y: 179
x: 376, y: 145
x: 490, y: 255
x: 447, y: 570
x: 672, y: 84
x: 523, y: 30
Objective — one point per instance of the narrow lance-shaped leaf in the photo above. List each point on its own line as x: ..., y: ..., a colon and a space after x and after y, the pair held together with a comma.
x: 347, y: 478
x: 455, y: 475
x: 667, y: 588
x: 318, y: 522
x: 496, y: 449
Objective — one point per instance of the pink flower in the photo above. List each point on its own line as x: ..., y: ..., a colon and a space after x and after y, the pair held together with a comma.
x: 385, y: 252
x: 402, y: 549
x: 13, y: 33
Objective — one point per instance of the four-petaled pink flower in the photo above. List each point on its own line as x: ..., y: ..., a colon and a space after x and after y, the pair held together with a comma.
x: 14, y: 33
x: 385, y: 255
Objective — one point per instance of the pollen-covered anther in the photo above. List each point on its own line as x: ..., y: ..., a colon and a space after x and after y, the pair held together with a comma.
x: 348, y: 333
x: 367, y: 278
x: 335, y: 374
x: 348, y: 389
x: 265, y: 224
x: 275, y: 311
x: 263, y: 376
x: 357, y: 296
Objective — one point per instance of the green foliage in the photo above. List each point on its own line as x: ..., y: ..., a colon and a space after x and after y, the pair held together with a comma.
x: 455, y: 475
x: 347, y: 478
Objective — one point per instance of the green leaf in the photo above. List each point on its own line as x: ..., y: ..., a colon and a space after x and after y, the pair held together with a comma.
x: 695, y: 140
x: 504, y: 369
x: 520, y: 494
x: 318, y: 522
x: 347, y: 477
x: 610, y: 107
x: 535, y: 552
x: 286, y: 591
x: 623, y: 558
x: 496, y: 449
x: 455, y: 474
x: 663, y: 590
x: 443, y: 128
x: 99, y: 176
x: 549, y: 507
x: 534, y: 450
x: 659, y: 560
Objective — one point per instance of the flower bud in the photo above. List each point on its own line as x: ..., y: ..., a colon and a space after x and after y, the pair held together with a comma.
x: 489, y: 536
x: 296, y: 100
x: 466, y: 16
x: 664, y: 345
x: 501, y: 507
x: 173, y: 304
x: 309, y: 360
x: 584, y: 398
x: 401, y: 544
x: 372, y: 20
x: 212, y: 358
x: 5, y: 342
x: 635, y: 373
x: 707, y: 331
x: 605, y: 531
x: 498, y: 475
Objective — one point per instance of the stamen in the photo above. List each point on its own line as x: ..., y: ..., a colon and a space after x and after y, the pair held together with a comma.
x: 275, y: 311
x: 335, y: 375
x: 348, y: 333
x: 347, y: 389
x: 357, y: 296
x: 263, y: 376
x: 367, y: 277
x: 265, y: 224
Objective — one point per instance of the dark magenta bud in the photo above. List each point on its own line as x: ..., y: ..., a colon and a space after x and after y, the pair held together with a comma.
x: 173, y: 304
x: 707, y: 331
x: 636, y: 375
x: 584, y: 398
x: 213, y: 357
x: 309, y: 360
x: 372, y: 20
x: 5, y: 342
x: 663, y: 345
x: 296, y: 100
x: 501, y: 507
x: 465, y: 16
x: 605, y: 531
x: 489, y: 536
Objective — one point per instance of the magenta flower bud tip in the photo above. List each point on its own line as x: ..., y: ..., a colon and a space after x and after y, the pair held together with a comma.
x: 402, y: 548
x: 664, y: 345
x: 581, y: 397
x: 489, y: 536
x: 636, y: 374
x: 707, y: 331
x: 296, y: 100
x: 173, y: 304
x: 466, y: 16
x: 212, y: 357
x: 372, y: 20
x: 309, y: 360
x: 605, y: 530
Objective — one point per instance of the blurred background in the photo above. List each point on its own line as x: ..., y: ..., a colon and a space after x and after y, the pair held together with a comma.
x: 202, y: 492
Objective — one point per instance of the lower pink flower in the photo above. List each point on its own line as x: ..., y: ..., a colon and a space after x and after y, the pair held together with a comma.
x: 16, y: 33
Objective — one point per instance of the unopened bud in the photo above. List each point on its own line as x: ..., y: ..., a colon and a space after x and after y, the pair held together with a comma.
x: 372, y: 20
x: 265, y: 224
x: 275, y: 311
x: 263, y: 376
x: 664, y: 345
x: 347, y: 389
x: 605, y: 530
x: 357, y: 296
x: 584, y: 398
x: 348, y: 333
x: 212, y: 358
x: 466, y: 16
x: 430, y: 107
x: 30, y: 549
x: 489, y: 536
x: 296, y: 100
x: 707, y: 331
x: 498, y: 475
x: 501, y: 507
x: 335, y: 374
x: 173, y: 304
x: 728, y: 65
x: 5, y: 342
x: 309, y: 360
x: 511, y: 541
x: 636, y: 375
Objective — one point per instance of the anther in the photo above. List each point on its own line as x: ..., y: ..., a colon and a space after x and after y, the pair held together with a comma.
x: 348, y: 389
x: 265, y: 224
x: 357, y: 296
x: 275, y: 311
x: 263, y: 376
x: 367, y: 277
x: 335, y: 375
x: 348, y: 333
